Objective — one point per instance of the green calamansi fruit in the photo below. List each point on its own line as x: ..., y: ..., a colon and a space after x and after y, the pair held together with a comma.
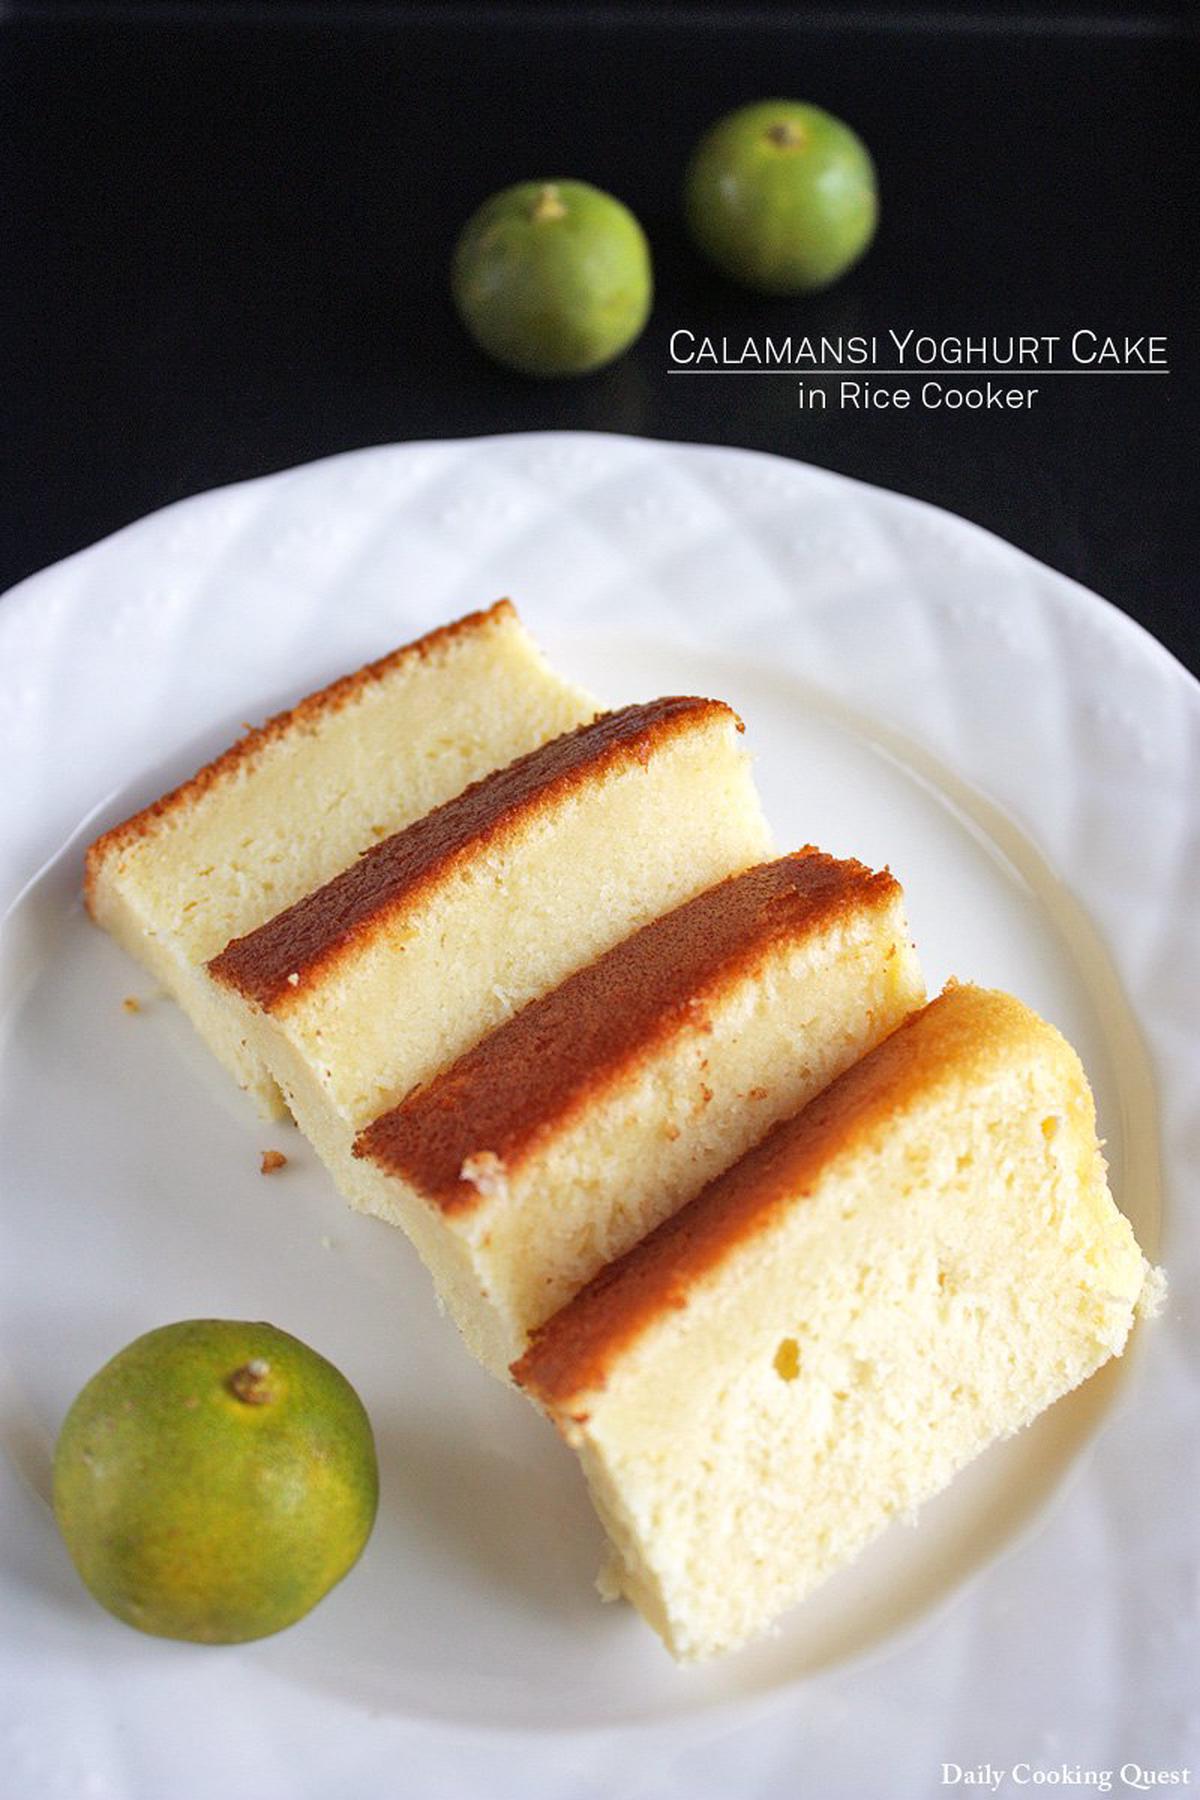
x: 215, y: 1480
x: 781, y: 196
x: 553, y: 277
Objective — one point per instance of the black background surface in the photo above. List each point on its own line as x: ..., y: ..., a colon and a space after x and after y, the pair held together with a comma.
x: 229, y: 230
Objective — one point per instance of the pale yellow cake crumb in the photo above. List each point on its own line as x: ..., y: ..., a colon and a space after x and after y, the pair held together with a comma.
x: 912, y: 1268
x: 298, y: 799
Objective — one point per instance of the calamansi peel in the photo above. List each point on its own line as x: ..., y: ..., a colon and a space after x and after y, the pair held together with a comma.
x: 781, y: 196
x: 215, y: 1480
x: 553, y: 277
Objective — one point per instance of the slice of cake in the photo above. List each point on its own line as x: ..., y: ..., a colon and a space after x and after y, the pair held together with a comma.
x: 388, y: 973
x: 916, y: 1264
x: 567, y: 1134
x: 291, y: 804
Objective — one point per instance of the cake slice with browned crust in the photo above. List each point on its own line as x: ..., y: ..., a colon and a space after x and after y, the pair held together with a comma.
x: 916, y: 1264
x: 296, y: 801
x: 433, y: 938
x: 569, y: 1132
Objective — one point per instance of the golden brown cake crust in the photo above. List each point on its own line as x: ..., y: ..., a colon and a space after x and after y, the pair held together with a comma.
x: 299, y: 718
x: 276, y: 962
x: 571, y: 1354
x: 529, y: 1079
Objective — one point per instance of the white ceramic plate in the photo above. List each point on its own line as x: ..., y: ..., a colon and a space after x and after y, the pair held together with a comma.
x: 918, y: 693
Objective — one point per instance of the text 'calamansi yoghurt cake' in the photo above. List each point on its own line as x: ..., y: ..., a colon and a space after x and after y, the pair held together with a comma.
x: 381, y: 978
x: 916, y: 1264
x: 570, y: 1131
x: 293, y: 803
